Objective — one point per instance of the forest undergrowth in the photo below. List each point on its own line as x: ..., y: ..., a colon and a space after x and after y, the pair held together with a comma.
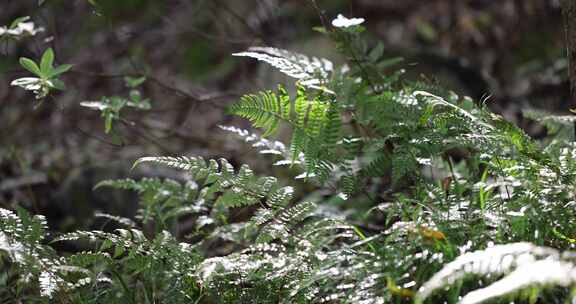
x: 414, y: 194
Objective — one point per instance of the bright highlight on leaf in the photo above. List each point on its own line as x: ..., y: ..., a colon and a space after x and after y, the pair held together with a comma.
x: 20, y: 28
x: 343, y: 22
x: 523, y: 265
x: 311, y: 72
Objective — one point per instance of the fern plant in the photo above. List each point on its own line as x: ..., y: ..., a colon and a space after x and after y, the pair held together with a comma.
x: 123, y: 266
x: 315, y: 122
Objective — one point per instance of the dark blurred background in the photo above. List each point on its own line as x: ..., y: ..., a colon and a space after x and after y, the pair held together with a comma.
x: 507, y: 53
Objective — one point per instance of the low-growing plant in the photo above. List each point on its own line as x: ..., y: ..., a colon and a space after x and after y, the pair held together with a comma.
x: 47, y: 75
x: 110, y: 107
x: 419, y: 195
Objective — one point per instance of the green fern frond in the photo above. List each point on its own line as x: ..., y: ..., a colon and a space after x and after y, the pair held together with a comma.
x: 130, y: 184
x: 265, y: 110
x: 331, y: 130
x: 87, y: 258
x: 315, y: 125
x: 296, y: 214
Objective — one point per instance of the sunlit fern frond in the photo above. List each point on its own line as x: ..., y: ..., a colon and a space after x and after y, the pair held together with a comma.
x: 540, y: 274
x: 263, y: 145
x: 523, y: 265
x: 117, y: 219
x: 311, y: 72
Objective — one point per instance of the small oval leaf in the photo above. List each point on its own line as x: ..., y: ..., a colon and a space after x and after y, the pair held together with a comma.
x: 30, y: 65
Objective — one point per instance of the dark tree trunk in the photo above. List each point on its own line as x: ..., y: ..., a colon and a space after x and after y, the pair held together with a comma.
x: 569, y: 16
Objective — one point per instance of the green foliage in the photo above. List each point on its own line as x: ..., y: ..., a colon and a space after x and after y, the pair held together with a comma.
x: 110, y: 107
x: 315, y: 123
x: 47, y: 75
x: 415, y: 194
x: 161, y: 201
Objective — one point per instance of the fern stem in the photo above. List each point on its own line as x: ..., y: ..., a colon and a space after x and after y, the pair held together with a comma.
x: 127, y: 290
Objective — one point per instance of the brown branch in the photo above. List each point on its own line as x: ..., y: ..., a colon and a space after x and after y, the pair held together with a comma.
x: 177, y: 91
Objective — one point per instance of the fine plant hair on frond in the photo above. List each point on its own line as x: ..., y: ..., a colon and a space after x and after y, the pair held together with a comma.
x: 311, y: 72
x: 328, y: 137
x: 283, y: 155
x: 437, y: 100
x: 523, y: 264
x: 123, y: 239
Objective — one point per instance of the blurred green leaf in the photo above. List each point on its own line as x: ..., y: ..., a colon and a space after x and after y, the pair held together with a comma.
x: 133, y: 82
x: 30, y: 65
x: 47, y: 62
x: 59, y: 70
x: 57, y: 84
x: 18, y: 21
